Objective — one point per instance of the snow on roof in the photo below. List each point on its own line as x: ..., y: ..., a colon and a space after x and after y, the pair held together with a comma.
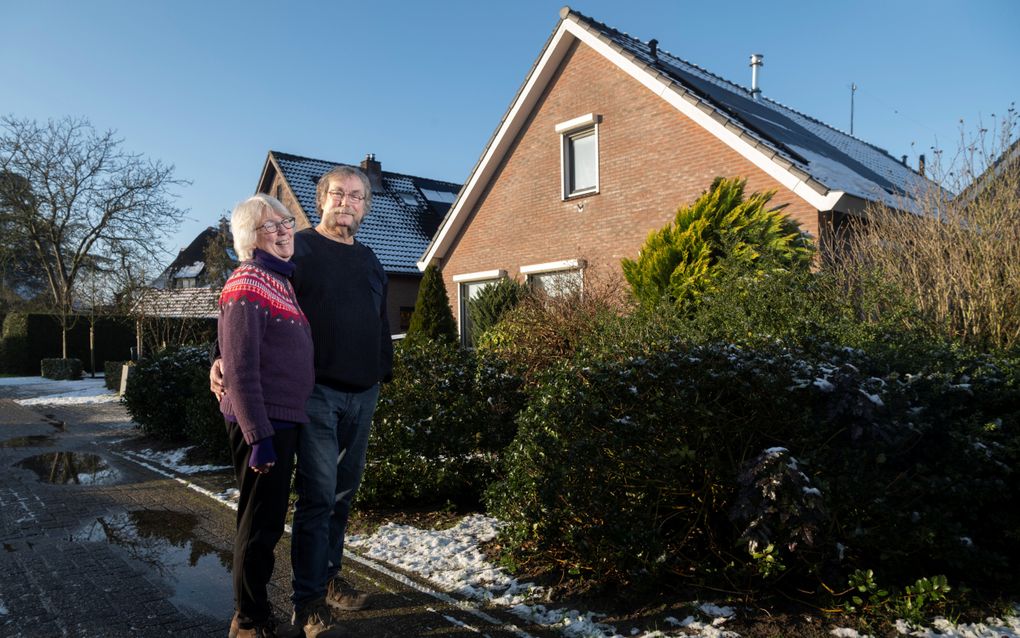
x: 189, y: 271
x: 182, y: 303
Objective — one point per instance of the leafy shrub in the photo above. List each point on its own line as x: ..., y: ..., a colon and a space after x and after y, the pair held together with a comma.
x: 203, y: 421
x: 764, y: 305
x: 439, y: 427
x: 111, y: 374
x: 492, y: 303
x: 159, y: 388
x: 61, y: 368
x: 621, y: 468
x: 168, y: 397
x: 432, y: 317
x: 679, y: 262
x: 749, y: 466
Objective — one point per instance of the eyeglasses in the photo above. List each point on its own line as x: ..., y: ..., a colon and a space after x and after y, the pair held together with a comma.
x: 272, y: 227
x: 339, y: 195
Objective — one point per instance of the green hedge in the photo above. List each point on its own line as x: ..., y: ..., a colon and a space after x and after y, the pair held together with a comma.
x: 734, y: 466
x: 168, y: 397
x: 111, y: 374
x: 61, y: 369
x: 30, y: 338
x: 440, y: 427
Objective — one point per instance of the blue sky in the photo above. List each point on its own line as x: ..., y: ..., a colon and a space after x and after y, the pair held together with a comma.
x: 212, y: 85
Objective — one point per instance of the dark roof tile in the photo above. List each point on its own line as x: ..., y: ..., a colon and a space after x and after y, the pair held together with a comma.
x: 405, y: 212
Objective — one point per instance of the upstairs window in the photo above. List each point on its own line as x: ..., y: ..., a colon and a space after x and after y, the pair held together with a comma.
x: 579, y: 155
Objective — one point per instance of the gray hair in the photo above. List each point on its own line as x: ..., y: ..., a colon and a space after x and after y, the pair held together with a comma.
x: 340, y: 172
x: 245, y: 218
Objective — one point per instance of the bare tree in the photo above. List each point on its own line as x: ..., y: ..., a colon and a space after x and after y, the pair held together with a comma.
x: 73, y: 194
x: 956, y: 255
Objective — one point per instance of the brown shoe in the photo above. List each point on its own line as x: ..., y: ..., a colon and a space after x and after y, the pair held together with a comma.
x: 264, y: 629
x: 344, y: 596
x: 316, y: 618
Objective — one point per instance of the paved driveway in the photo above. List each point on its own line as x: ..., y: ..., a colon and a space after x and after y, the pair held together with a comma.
x: 97, y: 544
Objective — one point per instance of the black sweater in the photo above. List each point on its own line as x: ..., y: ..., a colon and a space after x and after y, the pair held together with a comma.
x: 342, y: 290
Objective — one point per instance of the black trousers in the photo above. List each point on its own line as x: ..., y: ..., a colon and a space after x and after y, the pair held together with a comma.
x: 261, y: 513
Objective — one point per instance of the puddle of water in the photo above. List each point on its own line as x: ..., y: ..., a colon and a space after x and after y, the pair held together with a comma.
x: 63, y: 468
x: 35, y: 440
x: 165, y: 541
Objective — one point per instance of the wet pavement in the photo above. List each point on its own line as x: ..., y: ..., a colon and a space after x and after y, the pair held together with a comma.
x: 97, y: 544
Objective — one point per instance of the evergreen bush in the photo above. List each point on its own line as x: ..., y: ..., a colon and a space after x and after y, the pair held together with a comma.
x: 492, y: 303
x: 740, y: 467
x: 111, y: 374
x: 439, y: 427
x: 432, y: 317
x: 681, y: 261
x: 159, y: 389
x: 61, y: 369
x: 203, y: 422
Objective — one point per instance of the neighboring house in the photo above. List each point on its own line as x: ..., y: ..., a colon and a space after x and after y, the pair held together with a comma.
x: 405, y: 213
x: 188, y: 269
x: 1003, y: 172
x: 609, y: 135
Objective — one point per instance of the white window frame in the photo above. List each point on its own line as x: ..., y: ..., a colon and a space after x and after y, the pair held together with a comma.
x: 555, y: 266
x: 567, y: 131
x: 467, y: 278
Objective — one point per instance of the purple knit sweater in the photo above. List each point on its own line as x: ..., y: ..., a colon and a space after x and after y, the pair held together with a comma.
x: 266, y: 346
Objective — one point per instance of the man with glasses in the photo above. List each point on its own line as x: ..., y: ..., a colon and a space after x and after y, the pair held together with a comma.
x: 341, y: 287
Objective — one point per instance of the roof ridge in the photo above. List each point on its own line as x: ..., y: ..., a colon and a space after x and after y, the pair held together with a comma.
x: 284, y: 154
x: 726, y: 82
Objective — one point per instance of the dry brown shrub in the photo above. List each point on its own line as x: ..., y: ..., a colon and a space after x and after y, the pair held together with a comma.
x: 544, y: 329
x: 957, y: 255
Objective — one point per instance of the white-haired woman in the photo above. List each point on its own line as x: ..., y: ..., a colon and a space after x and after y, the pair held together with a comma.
x: 266, y: 347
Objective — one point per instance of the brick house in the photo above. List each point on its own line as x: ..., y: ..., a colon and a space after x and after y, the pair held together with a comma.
x: 608, y: 135
x: 405, y: 213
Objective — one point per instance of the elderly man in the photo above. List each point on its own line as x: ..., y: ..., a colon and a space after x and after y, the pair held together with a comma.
x: 341, y: 288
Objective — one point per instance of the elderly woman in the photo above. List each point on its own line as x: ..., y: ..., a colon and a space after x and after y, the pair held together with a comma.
x: 266, y: 346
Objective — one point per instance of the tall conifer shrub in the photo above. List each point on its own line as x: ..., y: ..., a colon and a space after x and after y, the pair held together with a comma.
x: 432, y: 318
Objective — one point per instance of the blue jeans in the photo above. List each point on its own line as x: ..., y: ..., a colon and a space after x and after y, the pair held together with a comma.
x: 330, y: 461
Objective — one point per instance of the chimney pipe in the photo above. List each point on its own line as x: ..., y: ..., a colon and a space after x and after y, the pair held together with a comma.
x: 653, y: 49
x: 920, y: 164
x: 757, y: 60
x: 373, y: 170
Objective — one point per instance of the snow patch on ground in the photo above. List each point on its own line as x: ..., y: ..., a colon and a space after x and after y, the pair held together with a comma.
x: 175, y: 460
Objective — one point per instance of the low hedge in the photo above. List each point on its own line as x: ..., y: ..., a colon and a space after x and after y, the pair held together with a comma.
x: 743, y: 467
x: 439, y: 427
x: 111, y: 374
x: 168, y: 397
x: 61, y: 368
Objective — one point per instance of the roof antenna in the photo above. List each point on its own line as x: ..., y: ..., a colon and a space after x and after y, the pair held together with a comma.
x: 757, y: 60
x: 853, y: 89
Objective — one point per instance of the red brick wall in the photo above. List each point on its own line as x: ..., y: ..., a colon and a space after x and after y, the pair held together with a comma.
x: 652, y: 159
